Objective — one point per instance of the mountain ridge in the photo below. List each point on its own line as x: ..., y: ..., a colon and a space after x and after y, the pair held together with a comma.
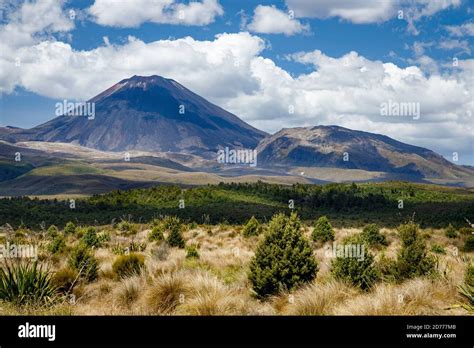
x: 143, y: 113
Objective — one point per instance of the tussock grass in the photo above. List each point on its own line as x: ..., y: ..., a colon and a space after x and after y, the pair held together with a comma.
x: 166, y: 292
x: 129, y: 290
x: 318, y: 299
x: 217, y: 282
x: 414, y: 297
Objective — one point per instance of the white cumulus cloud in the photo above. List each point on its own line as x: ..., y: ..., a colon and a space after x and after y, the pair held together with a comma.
x: 132, y: 13
x: 270, y: 20
x: 370, y: 11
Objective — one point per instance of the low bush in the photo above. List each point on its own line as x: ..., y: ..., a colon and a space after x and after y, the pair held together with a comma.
x: 156, y: 234
x: 57, y: 245
x: 103, y: 238
x: 64, y: 279
x: 372, y: 236
x: 438, y: 249
x: 126, y: 227
x: 175, y: 239
x: 466, y: 231
x: 192, y: 252
x: 413, y: 259
x: 323, y: 230
x: 469, y: 244
x: 52, y: 232
x: 70, y: 228
x: 451, y: 232
x: 252, y: 228
x: 283, y: 260
x: 360, y: 272
x: 387, y: 268
x: 83, y: 261
x: 90, y: 238
x: 126, y: 266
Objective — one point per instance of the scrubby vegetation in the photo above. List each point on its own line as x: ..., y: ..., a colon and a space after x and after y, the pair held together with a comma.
x: 344, y: 204
x: 192, y: 252
x: 134, y: 252
x: 413, y: 259
x: 128, y: 265
x: 83, y: 261
x: 252, y: 228
x: 469, y: 244
x: 451, y: 232
x: 70, y: 228
x: 26, y: 283
x: 323, y: 231
x: 174, y: 226
x: 283, y: 259
x: 361, y: 272
x: 372, y: 236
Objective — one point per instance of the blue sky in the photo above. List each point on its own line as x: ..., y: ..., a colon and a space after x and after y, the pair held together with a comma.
x: 293, y: 53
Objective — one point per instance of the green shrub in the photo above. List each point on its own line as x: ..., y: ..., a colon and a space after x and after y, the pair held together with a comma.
x: 57, y: 245
x: 156, y: 234
x: 413, y: 259
x: 175, y: 239
x: 128, y: 265
x: 52, y: 232
x: 192, y: 252
x: 360, y: 272
x: 70, y: 228
x: 469, y: 244
x: 323, y: 230
x: 172, y: 225
x: 466, y: 231
x: 83, y: 261
x: 90, y: 238
x: 252, y: 227
x: 103, y: 238
x: 387, y: 268
x: 26, y: 283
x: 438, y: 249
x: 126, y: 227
x: 120, y: 249
x: 64, y: 279
x: 372, y: 236
x: 283, y: 260
x: 451, y: 232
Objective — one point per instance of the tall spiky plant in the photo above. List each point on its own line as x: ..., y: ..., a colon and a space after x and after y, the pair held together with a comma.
x: 26, y: 283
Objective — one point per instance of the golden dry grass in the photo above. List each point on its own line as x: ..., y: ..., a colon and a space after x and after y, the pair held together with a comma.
x: 216, y: 283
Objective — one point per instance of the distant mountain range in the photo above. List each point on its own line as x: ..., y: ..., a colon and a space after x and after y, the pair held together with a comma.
x: 337, y: 147
x: 174, y: 135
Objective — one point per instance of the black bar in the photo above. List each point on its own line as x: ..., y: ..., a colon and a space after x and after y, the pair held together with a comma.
x: 225, y: 331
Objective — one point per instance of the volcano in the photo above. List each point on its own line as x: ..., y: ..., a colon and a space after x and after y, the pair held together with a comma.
x: 149, y: 114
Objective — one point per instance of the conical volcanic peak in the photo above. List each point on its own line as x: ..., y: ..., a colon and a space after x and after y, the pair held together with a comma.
x: 150, y: 113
